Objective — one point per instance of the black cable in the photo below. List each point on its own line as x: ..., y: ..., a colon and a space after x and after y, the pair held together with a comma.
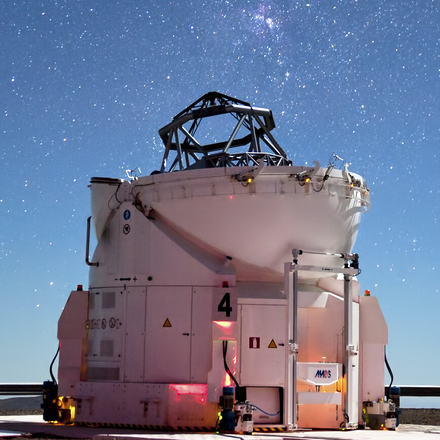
x: 115, y: 195
x: 225, y: 350
x: 320, y: 189
x: 51, y: 365
x: 347, y: 420
x: 389, y: 371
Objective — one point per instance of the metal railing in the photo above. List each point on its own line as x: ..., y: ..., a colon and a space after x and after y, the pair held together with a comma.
x: 29, y: 389
x: 417, y: 391
x: 21, y: 389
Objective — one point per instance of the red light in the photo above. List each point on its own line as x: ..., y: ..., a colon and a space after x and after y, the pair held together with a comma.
x: 231, y: 197
x: 193, y: 389
x: 190, y: 388
x: 227, y: 382
x: 227, y: 325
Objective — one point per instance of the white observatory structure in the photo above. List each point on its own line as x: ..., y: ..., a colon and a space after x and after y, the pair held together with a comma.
x: 224, y: 282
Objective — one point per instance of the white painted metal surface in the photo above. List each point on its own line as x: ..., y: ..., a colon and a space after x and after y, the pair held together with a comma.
x: 168, y: 324
x: 235, y: 219
x: 263, y: 344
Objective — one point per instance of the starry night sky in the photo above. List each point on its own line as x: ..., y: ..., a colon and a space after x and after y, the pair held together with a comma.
x: 85, y: 86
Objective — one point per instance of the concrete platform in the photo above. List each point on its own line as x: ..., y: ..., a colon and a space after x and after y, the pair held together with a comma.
x: 13, y: 426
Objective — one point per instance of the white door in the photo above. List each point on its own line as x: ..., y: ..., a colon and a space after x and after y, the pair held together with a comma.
x: 135, y: 334
x: 263, y: 345
x: 168, y: 334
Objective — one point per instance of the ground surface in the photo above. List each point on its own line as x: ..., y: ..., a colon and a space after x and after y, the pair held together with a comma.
x: 23, y: 418
x: 32, y: 426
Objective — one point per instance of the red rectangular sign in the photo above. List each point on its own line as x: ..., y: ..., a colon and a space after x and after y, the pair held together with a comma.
x: 254, y: 342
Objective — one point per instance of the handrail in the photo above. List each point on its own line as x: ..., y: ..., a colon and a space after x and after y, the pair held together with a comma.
x: 26, y: 389
x: 417, y: 390
x: 21, y: 389
x: 88, y: 262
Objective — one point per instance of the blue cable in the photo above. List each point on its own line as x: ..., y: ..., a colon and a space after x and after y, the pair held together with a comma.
x: 264, y: 412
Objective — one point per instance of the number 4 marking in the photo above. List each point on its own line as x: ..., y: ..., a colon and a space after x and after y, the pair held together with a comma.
x: 225, y: 304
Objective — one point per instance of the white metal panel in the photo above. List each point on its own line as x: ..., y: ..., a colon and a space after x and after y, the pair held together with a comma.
x: 134, y: 335
x: 188, y: 262
x: 312, y: 299
x: 168, y: 334
x: 372, y: 325
x: 101, y: 193
x: 127, y: 215
x: 320, y: 332
x: 108, y: 256
x: 323, y: 222
x: 72, y: 336
x: 125, y: 403
x: 336, y: 285
x: 321, y: 416
x: 307, y: 398
x: 263, y: 343
x: 201, y: 334
x: 373, y: 372
x: 187, y: 406
x: 105, y: 335
x: 266, y: 399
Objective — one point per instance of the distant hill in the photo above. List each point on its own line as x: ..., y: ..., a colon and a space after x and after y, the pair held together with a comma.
x: 21, y: 403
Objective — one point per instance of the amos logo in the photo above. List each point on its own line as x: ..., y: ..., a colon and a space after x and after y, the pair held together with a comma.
x: 319, y: 373
x: 323, y: 374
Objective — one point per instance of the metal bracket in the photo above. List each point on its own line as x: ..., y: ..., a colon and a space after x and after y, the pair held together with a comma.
x: 293, y: 348
x: 344, y: 270
x: 352, y: 350
x: 292, y: 427
x: 88, y: 262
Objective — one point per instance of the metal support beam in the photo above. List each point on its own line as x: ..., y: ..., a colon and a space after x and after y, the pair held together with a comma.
x: 291, y: 290
x: 351, y: 394
x: 350, y: 269
x: 350, y: 398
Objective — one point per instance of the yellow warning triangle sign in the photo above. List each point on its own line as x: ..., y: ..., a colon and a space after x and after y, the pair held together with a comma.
x: 272, y: 344
x: 167, y: 323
